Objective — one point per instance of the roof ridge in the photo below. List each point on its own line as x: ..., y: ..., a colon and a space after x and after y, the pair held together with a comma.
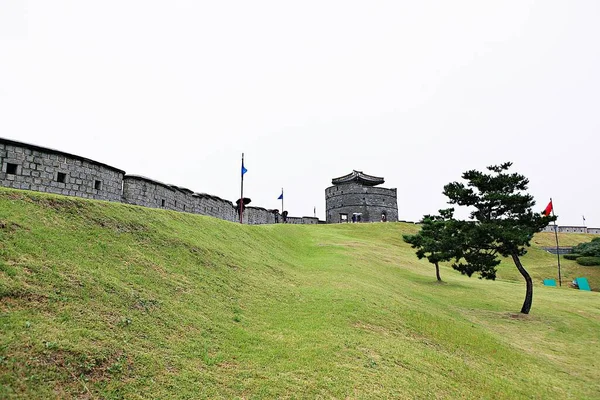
x: 360, y: 177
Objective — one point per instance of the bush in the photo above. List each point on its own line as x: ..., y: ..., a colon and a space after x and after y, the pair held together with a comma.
x: 571, y: 256
x: 588, y: 261
x: 589, y: 249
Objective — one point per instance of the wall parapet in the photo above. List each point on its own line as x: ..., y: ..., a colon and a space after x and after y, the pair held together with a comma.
x: 34, y: 147
x: 32, y: 167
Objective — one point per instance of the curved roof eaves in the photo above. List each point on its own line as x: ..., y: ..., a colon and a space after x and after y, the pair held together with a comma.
x: 358, y: 176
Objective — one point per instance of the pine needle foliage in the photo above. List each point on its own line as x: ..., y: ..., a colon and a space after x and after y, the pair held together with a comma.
x: 438, y: 239
x: 503, y: 221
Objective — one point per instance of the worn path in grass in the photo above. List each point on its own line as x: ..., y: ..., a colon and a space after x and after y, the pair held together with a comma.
x: 101, y: 300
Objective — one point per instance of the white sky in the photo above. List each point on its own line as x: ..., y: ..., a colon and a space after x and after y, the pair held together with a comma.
x: 414, y: 91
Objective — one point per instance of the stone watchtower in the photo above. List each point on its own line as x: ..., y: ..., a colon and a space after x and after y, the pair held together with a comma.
x: 355, y: 195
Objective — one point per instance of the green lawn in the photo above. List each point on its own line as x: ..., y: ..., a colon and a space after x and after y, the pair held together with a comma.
x: 102, y: 300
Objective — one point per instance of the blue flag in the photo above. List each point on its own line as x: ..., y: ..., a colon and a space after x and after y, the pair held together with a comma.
x: 280, y: 196
x: 244, y: 170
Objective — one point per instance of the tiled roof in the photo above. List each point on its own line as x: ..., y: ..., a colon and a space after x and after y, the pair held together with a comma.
x: 360, y: 177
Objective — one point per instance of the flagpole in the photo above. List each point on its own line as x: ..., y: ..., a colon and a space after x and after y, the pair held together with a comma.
x: 242, y: 193
x: 557, y: 250
x: 282, y: 200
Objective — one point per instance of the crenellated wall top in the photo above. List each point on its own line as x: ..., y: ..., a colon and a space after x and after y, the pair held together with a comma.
x: 9, y: 142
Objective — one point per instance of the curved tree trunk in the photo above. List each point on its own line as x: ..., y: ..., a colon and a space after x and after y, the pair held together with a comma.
x: 437, y: 272
x: 529, y: 295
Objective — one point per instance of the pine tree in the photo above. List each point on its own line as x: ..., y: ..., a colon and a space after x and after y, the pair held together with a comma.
x: 502, y: 222
x: 437, y: 240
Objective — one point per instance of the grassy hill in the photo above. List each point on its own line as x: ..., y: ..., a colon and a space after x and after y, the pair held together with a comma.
x: 102, y: 300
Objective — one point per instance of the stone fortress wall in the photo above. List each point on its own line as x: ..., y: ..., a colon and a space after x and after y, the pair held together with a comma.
x: 572, y: 229
x: 31, y: 167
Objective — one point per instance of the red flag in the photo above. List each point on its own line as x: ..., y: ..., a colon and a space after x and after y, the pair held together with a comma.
x: 548, y: 209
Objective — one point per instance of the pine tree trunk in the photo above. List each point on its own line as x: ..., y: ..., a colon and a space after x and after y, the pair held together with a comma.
x: 437, y: 272
x: 529, y: 295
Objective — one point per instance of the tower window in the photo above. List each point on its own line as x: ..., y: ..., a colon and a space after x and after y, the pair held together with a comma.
x: 162, y: 203
x: 11, y: 169
x: 61, y: 177
x: 98, y: 185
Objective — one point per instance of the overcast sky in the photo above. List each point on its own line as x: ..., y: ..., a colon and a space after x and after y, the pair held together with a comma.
x: 414, y: 91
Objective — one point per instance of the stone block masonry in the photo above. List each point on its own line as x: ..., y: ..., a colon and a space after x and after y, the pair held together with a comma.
x: 355, y: 198
x: 36, y: 168
x: 217, y: 207
x: 344, y: 200
x: 146, y: 192
x: 257, y: 215
x: 31, y: 167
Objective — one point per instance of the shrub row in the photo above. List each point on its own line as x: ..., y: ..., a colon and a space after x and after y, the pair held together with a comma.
x: 588, y: 261
x: 582, y: 260
x: 589, y: 249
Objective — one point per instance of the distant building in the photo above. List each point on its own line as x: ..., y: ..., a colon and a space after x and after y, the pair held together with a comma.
x: 354, y: 198
x: 572, y: 229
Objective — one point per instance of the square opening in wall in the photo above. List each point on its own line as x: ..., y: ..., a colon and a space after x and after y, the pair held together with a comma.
x: 98, y: 185
x: 11, y: 168
x: 61, y: 177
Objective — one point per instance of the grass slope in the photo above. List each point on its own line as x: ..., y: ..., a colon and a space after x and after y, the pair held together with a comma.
x: 102, y: 300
